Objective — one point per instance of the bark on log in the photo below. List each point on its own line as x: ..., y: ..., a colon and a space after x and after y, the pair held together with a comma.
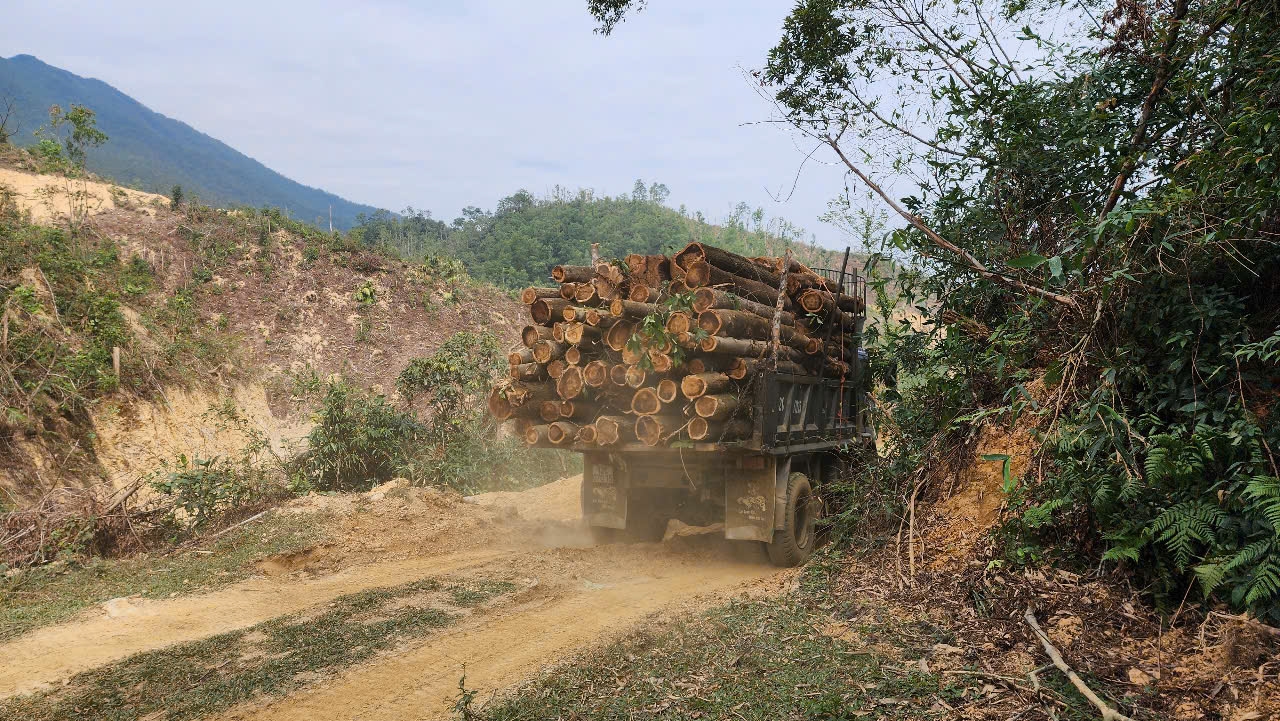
x: 620, y: 308
x: 705, y: 299
x: 699, y: 384
x: 596, y: 373
x: 562, y: 433
x: 531, y: 334
x: 739, y: 324
x: 645, y: 402
x: 652, y: 430
x: 545, y: 311
x: 716, y: 407
x: 572, y: 274
x: 701, y: 429
x: 545, y: 351
x: 702, y: 274
x: 709, y: 364
x: 519, y: 356
x: 569, y: 385
x: 536, y: 435
x: 747, y: 348
x: 731, y: 263
x: 577, y: 410
x: 531, y: 294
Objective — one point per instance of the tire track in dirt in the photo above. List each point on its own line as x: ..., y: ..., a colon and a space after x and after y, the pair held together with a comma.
x: 50, y: 654
x: 503, y: 648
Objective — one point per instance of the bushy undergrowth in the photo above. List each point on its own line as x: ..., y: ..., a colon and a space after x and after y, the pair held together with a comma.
x: 438, y: 434
x: 1095, y: 245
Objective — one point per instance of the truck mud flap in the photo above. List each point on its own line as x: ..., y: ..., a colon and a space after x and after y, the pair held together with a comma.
x: 749, y: 503
x: 604, y: 494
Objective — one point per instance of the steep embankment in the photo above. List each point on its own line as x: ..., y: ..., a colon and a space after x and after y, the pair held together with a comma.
x: 233, y: 312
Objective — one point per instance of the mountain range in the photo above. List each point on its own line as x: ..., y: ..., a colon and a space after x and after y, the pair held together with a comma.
x: 153, y: 152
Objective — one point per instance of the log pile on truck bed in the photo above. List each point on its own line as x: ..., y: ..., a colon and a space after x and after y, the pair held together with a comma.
x: 656, y: 349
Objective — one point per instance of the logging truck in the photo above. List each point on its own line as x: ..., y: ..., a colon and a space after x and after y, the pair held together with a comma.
x: 707, y: 386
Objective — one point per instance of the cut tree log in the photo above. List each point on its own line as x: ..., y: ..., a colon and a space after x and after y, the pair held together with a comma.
x: 562, y: 433
x: 716, y: 407
x: 640, y: 293
x: 618, y: 335
x: 634, y: 376
x: 701, y: 429
x: 555, y: 368
x: 645, y: 402
x: 585, y: 293
x: 620, y: 308
x: 528, y: 372
x: 652, y: 430
x: 587, y: 434
x: 610, y: 272
x: 747, y: 348
x: 545, y: 351
x: 531, y: 334
x: 731, y: 263
x: 575, y: 333
x: 596, y: 373
x: 611, y: 429
x: 703, y: 274
x: 705, y: 299
x: 652, y: 270
x: 607, y: 290
x: 557, y: 332
x: 618, y: 374
x: 709, y: 364
x: 679, y: 322
x: 545, y: 311
x: 699, y: 384
x: 821, y: 303
x: 668, y: 390
x: 740, y: 324
x: 568, y: 291
x: 519, y: 356
x: 577, y: 410
x: 529, y: 295
x: 661, y: 362
x: 573, y: 355
x: 549, y: 411
x: 570, y: 384
x: 574, y: 313
x: 572, y: 274
x: 536, y: 435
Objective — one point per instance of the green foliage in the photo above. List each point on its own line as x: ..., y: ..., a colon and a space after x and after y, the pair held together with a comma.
x: 1109, y: 168
x: 203, y: 488
x: 358, y: 440
x: 65, y: 141
x: 175, y: 197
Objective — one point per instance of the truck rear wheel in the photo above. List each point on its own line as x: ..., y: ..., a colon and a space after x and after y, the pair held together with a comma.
x: 794, y: 543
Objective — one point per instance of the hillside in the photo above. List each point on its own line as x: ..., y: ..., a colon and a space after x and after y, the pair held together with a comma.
x: 229, y: 326
x: 153, y: 152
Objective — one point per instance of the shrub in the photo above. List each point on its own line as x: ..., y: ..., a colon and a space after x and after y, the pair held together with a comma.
x: 358, y: 439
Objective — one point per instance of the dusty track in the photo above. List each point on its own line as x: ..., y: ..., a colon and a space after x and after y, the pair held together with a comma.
x: 582, y: 594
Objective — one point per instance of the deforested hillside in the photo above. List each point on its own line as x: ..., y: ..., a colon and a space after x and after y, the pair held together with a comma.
x: 142, y: 334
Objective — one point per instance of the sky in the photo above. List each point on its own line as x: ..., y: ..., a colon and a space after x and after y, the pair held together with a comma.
x: 442, y: 104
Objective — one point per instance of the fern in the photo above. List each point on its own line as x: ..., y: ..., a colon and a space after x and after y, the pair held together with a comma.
x: 1265, y: 585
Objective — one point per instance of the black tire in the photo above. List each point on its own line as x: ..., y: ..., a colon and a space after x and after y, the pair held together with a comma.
x: 794, y: 544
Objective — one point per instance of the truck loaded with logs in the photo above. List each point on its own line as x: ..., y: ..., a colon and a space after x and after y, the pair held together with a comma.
x: 704, y: 386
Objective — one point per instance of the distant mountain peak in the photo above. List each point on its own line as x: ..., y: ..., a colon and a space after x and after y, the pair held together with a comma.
x: 154, y: 152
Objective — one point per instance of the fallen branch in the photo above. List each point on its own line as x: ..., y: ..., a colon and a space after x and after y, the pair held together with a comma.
x: 1250, y: 622
x: 250, y: 519
x: 1108, y: 713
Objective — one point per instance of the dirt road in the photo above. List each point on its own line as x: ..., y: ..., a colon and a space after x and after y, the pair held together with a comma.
x: 581, y: 594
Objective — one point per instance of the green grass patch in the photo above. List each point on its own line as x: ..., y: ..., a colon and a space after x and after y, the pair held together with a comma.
x: 747, y: 659
x: 45, y: 595
x: 275, y: 657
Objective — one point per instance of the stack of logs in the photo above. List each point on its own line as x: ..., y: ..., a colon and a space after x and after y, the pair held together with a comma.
x: 656, y: 349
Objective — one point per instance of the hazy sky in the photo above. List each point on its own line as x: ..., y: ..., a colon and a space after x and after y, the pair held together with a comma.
x: 445, y: 104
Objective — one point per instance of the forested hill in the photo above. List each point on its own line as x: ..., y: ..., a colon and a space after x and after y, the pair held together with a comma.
x: 152, y: 152
x: 517, y: 243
